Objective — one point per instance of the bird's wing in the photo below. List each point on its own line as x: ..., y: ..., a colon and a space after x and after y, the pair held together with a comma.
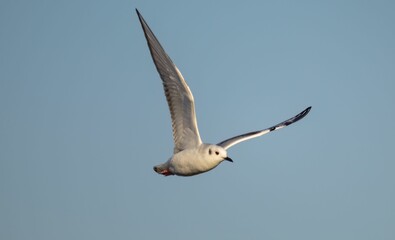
x: 179, y: 96
x: 235, y: 140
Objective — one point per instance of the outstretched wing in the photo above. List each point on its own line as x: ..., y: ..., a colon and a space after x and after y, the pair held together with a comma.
x: 179, y: 96
x: 235, y: 140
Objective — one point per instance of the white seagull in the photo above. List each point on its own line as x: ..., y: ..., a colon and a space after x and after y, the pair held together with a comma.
x: 191, y: 156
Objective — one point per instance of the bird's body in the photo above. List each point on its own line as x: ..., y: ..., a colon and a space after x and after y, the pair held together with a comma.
x: 191, y: 156
x: 192, y: 161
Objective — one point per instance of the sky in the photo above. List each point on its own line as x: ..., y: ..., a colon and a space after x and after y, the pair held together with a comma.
x: 83, y: 119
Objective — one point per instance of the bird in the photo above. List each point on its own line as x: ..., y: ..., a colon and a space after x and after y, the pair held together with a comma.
x: 190, y: 155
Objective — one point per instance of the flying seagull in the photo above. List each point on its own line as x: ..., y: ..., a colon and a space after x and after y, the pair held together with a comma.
x: 191, y: 156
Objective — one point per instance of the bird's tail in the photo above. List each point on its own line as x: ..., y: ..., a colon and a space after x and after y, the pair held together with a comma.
x: 163, y: 169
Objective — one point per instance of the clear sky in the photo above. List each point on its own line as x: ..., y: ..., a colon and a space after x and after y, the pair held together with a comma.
x: 83, y: 119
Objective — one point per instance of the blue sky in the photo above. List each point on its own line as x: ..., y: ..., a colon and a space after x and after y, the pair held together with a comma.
x: 83, y: 119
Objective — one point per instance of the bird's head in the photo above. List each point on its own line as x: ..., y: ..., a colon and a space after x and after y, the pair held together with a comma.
x: 217, y: 153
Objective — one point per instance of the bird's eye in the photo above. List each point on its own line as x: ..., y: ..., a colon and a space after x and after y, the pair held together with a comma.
x: 216, y: 152
x: 209, y: 151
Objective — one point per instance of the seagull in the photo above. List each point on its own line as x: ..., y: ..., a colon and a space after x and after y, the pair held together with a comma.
x: 191, y: 156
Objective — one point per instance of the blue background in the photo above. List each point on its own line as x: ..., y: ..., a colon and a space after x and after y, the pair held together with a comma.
x: 83, y: 119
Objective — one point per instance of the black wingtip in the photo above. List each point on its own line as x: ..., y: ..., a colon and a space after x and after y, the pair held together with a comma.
x: 303, y: 113
x: 141, y: 19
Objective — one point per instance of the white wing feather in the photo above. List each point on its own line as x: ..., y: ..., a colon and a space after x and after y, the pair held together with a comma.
x: 240, y: 138
x: 179, y: 96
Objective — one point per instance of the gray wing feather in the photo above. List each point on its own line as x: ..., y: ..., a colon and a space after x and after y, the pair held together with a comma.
x: 235, y: 140
x: 179, y: 96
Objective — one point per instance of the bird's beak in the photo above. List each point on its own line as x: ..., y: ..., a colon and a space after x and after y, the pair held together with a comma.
x: 228, y: 159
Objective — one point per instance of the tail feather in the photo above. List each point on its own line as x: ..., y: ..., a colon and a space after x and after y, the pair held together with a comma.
x: 163, y: 169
